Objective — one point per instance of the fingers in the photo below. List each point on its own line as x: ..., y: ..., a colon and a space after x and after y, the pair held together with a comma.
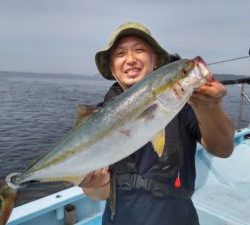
x: 87, y: 179
x: 97, y: 178
x: 208, y: 95
x: 212, y: 89
x: 105, y: 170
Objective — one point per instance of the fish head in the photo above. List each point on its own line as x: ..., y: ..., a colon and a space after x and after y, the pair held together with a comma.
x: 8, y: 196
x: 179, y: 81
x: 184, y: 73
x: 196, y: 72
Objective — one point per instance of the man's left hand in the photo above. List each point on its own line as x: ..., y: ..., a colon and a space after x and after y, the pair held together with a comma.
x: 208, y: 95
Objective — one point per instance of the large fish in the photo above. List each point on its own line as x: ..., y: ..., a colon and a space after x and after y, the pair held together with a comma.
x: 137, y: 116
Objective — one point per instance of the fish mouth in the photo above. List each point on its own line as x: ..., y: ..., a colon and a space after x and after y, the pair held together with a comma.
x: 8, y: 196
x: 1, y: 205
x: 12, y: 181
x: 199, y: 60
x: 202, y: 65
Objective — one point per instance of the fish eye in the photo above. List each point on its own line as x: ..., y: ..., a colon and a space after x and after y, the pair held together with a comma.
x: 185, y: 72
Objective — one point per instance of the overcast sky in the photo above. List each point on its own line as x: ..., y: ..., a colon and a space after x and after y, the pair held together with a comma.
x: 62, y: 36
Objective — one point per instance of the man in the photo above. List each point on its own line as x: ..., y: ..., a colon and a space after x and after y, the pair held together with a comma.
x: 147, y: 189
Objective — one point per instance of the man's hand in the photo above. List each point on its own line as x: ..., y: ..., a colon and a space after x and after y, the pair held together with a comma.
x: 96, y: 185
x: 208, y: 95
x: 96, y: 179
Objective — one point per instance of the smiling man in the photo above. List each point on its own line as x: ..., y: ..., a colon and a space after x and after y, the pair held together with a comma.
x: 144, y: 189
x: 131, y: 59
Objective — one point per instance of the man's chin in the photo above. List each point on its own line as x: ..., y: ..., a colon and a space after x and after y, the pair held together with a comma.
x: 131, y: 81
x: 134, y: 81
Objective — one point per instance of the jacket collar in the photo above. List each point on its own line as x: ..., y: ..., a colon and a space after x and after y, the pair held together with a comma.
x: 114, y: 91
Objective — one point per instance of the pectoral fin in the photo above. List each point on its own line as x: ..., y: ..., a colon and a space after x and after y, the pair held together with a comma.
x: 159, y: 142
x: 149, y: 113
x: 84, y: 112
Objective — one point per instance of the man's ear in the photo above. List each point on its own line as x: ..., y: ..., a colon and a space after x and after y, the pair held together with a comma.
x: 111, y: 69
x: 155, y: 60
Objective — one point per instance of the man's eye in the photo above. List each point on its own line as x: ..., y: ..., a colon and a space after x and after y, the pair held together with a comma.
x: 119, y: 54
x: 138, y: 50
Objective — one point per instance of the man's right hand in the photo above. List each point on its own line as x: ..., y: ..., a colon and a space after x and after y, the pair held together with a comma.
x: 96, y: 179
x: 96, y: 184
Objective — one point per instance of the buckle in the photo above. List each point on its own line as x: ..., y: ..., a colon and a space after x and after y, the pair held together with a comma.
x: 132, y: 180
x: 139, y: 182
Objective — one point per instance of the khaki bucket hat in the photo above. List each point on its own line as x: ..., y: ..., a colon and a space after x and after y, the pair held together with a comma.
x: 129, y: 28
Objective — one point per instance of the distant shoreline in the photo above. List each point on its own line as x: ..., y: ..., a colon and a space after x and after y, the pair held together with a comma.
x: 92, y: 77
x: 50, y: 75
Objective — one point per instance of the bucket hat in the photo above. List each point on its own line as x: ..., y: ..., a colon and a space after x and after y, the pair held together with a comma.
x: 126, y: 29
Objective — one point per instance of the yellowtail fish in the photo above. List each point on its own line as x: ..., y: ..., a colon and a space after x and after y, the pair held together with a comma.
x: 134, y: 118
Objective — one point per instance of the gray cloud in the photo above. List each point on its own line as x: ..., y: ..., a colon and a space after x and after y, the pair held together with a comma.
x: 63, y: 36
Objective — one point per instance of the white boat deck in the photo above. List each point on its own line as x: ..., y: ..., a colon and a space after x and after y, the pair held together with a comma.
x: 222, y: 195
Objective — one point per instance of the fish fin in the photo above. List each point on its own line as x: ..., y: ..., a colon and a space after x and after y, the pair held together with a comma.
x: 8, y: 198
x: 158, y: 142
x: 148, y: 114
x: 84, y: 112
x: 75, y: 180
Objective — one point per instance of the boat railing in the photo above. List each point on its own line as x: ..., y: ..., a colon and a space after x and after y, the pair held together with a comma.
x: 242, y: 82
x: 243, y: 97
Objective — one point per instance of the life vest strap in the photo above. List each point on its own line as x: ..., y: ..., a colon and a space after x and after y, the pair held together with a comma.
x: 129, y: 182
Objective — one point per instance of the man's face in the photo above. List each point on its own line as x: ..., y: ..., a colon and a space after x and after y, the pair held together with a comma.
x: 131, y: 60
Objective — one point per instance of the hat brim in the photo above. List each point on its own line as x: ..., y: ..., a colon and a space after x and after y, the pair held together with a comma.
x: 102, y: 57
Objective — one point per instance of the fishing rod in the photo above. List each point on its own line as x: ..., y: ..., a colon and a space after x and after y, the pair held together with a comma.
x: 236, y: 81
x: 229, y: 60
x: 246, y: 80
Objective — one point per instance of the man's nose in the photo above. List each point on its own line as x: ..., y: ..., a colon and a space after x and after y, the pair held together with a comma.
x: 131, y: 58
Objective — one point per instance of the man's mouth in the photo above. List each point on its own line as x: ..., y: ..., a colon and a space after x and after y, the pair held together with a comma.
x: 132, y: 72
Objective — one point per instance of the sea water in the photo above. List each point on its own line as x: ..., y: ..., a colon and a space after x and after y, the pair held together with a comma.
x: 37, y: 110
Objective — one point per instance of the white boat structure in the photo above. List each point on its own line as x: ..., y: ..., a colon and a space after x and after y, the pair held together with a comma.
x: 222, y: 193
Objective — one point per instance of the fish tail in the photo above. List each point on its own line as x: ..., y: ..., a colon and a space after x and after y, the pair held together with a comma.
x: 8, y: 196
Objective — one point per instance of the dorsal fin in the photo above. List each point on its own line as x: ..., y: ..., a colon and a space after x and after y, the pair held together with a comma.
x: 83, y: 112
